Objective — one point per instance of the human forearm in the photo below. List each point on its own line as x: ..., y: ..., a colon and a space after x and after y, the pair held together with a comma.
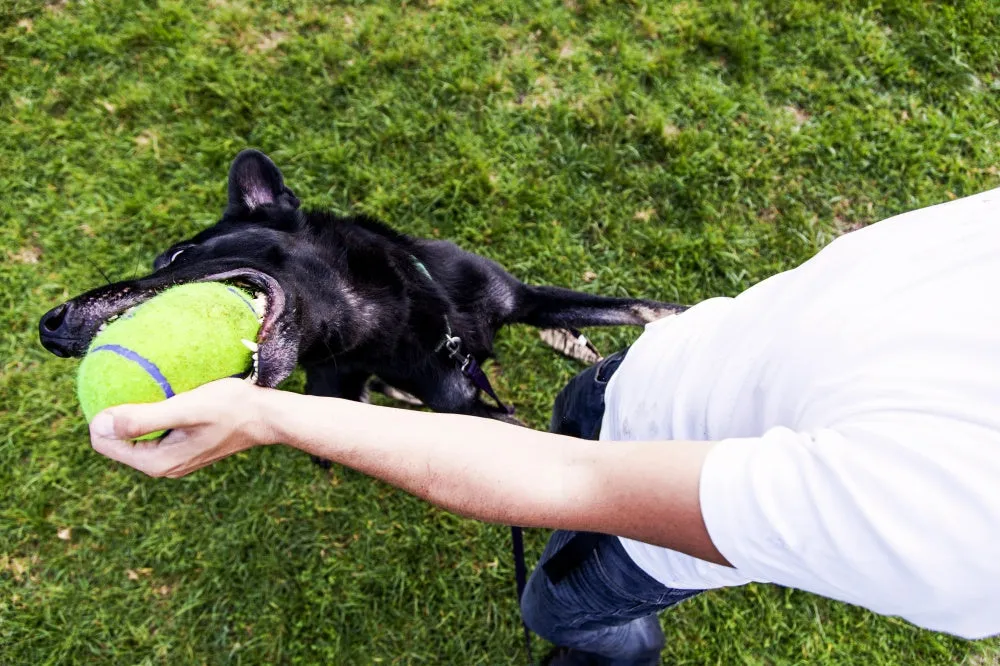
x: 502, y: 473
x: 465, y: 464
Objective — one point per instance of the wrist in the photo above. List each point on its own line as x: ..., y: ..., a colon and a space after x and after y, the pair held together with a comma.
x: 264, y: 425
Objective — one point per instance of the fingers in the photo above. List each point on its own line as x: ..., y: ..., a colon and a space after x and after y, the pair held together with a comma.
x: 128, y: 422
x: 133, y: 455
x: 184, y: 410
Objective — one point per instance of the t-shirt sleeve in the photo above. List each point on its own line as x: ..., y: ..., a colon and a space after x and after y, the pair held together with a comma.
x: 857, y: 516
x: 758, y: 499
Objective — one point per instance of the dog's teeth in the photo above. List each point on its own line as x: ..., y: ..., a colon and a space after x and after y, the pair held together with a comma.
x: 255, y: 368
x: 252, y: 377
x: 251, y: 345
x: 260, y: 304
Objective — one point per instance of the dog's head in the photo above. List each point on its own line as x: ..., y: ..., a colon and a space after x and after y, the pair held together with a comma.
x: 257, y: 244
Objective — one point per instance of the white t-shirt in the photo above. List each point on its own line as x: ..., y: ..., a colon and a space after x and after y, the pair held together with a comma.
x: 856, y: 402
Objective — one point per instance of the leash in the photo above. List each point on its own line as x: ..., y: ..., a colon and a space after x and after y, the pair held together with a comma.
x: 521, y: 578
x: 464, y: 362
x: 469, y: 367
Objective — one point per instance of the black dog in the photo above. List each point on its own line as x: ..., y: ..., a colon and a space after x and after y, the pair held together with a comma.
x: 349, y: 298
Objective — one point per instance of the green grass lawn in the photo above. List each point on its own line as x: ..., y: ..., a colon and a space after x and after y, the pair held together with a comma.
x: 674, y: 150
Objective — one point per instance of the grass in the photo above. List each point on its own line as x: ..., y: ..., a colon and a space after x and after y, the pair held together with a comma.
x: 677, y: 150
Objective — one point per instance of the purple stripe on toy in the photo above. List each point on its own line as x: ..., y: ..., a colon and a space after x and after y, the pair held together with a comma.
x: 244, y: 299
x: 143, y: 363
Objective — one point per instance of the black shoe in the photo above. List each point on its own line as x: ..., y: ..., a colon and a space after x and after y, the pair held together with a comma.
x: 563, y: 656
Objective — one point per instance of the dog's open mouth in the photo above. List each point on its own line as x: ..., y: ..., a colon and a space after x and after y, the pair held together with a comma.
x: 268, y: 301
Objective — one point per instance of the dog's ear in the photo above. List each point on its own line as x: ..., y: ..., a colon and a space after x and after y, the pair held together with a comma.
x: 255, y: 181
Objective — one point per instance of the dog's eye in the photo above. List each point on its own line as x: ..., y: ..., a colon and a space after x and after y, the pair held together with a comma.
x: 175, y: 255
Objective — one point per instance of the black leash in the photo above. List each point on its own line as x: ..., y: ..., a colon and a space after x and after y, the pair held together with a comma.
x: 467, y: 364
x: 470, y: 368
x: 521, y: 576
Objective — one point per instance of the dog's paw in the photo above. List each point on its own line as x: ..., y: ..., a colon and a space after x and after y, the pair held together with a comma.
x: 379, y: 386
x: 511, y: 419
x: 571, y: 343
x: 322, y: 462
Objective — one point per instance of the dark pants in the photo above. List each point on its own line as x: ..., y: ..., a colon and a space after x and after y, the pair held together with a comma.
x: 597, y: 600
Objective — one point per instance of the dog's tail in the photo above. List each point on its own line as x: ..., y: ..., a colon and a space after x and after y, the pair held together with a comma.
x: 554, y: 307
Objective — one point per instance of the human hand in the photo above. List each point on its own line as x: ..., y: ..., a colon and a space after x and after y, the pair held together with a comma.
x: 206, y: 424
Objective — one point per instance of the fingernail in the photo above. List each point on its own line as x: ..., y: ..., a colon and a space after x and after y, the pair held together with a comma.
x: 103, y: 425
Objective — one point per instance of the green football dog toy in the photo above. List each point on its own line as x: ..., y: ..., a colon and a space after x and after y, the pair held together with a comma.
x: 186, y: 336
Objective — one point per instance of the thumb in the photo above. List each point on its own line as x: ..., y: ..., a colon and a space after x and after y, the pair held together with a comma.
x: 127, y: 422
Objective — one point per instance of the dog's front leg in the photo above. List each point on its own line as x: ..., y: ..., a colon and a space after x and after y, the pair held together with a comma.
x: 330, y: 381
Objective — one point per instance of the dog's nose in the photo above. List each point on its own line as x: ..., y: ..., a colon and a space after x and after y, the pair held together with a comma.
x: 53, y: 320
x: 52, y: 330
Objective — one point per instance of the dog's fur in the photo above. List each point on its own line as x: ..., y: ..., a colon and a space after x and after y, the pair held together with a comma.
x: 348, y: 296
